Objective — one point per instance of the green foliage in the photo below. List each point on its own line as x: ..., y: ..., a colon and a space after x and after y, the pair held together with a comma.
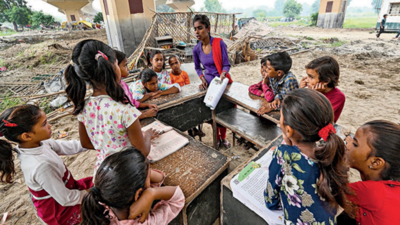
x: 359, y: 22
x: 164, y: 8
x: 40, y: 19
x: 260, y: 14
x: 377, y: 5
x: 315, y: 6
x: 15, y: 11
x: 314, y: 19
x: 292, y: 8
x: 8, y: 102
x: 98, y: 18
x: 279, y: 4
x: 213, y: 6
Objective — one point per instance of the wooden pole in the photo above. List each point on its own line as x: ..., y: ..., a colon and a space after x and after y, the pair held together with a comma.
x: 214, y: 124
x: 216, y: 24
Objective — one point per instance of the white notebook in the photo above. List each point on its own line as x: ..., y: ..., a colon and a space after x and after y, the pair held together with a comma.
x: 215, y: 92
x: 167, y: 143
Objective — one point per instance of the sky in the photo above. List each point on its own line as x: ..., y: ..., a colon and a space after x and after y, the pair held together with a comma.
x: 38, y: 5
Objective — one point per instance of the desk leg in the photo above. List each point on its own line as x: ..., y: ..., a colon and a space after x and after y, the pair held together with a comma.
x: 233, y: 139
x: 214, y: 129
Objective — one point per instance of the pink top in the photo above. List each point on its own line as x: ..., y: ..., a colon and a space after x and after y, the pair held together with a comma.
x: 129, y: 94
x: 162, y: 213
x: 260, y: 88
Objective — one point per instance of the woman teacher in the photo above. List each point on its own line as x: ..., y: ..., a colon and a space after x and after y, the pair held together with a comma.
x: 213, y: 55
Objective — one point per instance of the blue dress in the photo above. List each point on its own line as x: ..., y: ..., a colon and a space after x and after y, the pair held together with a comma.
x: 292, y: 186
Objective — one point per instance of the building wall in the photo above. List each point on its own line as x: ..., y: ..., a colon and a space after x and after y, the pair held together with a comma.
x: 334, y: 19
x: 392, y: 21
x: 125, y: 30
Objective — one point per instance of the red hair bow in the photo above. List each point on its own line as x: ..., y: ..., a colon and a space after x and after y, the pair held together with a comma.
x: 324, y: 132
x: 100, y: 54
x: 8, y: 124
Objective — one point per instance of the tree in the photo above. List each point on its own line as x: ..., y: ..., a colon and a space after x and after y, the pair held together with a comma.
x: 15, y: 11
x: 98, y: 18
x: 213, y: 6
x: 40, y: 19
x: 260, y: 14
x: 164, y: 8
x: 292, y: 8
x: 377, y: 4
x: 279, y: 6
x: 315, y: 6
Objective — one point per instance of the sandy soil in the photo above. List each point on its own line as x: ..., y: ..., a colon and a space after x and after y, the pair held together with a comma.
x: 369, y: 70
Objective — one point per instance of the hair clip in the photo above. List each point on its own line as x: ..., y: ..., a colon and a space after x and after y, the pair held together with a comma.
x: 100, y: 54
x: 8, y: 124
x: 72, y: 63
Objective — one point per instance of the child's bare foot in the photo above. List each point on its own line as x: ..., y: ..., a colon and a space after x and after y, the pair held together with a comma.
x: 264, y: 109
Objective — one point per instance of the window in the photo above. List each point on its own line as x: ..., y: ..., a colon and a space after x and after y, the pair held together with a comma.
x: 329, y: 6
x: 394, y: 9
x: 73, y: 18
x: 106, y: 7
x: 136, y: 6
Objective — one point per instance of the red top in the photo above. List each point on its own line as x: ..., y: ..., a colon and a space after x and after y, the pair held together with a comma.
x: 378, y: 202
x: 337, y: 99
x: 261, y: 88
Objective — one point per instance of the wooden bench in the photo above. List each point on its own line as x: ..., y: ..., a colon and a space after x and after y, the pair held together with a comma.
x: 254, y: 129
x: 198, y: 169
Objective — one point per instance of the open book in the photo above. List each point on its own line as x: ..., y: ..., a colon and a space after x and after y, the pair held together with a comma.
x: 167, y: 143
x: 249, y: 185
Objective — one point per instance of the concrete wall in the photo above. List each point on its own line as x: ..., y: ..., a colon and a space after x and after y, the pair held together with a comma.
x: 392, y: 21
x: 125, y: 31
x: 69, y: 7
x: 335, y: 18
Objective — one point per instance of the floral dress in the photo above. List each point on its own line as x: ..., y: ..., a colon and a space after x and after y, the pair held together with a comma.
x: 164, y: 77
x: 106, y: 122
x: 292, y: 186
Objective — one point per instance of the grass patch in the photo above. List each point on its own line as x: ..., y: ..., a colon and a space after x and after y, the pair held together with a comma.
x: 48, y: 58
x: 8, y: 102
x: 360, y: 22
x: 7, y: 33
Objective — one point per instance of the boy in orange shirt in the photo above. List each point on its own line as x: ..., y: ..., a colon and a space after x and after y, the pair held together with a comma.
x: 177, y: 75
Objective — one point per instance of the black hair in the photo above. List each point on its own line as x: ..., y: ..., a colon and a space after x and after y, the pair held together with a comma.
x: 24, y: 118
x: 307, y: 112
x: 117, y: 180
x: 151, y: 55
x: 203, y: 19
x: 147, y: 74
x: 327, y: 68
x: 173, y: 56
x: 120, y: 56
x: 264, y: 61
x: 384, y: 141
x: 280, y: 61
x: 98, y: 73
x: 385, y: 15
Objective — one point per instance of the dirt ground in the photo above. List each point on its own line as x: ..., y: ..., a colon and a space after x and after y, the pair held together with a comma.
x: 369, y: 79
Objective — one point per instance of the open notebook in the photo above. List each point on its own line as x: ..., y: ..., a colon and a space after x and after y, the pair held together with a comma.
x: 248, y: 187
x: 167, y: 143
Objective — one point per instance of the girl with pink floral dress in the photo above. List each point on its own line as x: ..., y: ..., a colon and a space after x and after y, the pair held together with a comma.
x: 107, y: 119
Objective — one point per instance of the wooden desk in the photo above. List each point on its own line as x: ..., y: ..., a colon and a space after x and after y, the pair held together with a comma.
x: 254, y: 129
x: 186, y: 109
x: 198, y: 170
x: 234, y: 212
x: 238, y: 93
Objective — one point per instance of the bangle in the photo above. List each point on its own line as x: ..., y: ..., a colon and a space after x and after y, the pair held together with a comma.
x: 201, y: 76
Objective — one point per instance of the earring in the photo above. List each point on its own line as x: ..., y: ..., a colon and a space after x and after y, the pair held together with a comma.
x: 370, y: 167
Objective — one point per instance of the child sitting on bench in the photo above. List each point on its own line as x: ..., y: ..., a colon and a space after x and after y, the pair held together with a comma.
x: 124, y: 190
x: 282, y: 80
x: 374, y: 152
x: 263, y: 88
x: 323, y: 76
x: 123, y: 66
x: 149, y: 87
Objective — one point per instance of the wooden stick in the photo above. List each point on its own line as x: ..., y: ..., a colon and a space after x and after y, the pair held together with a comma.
x: 214, y: 124
x: 31, y: 97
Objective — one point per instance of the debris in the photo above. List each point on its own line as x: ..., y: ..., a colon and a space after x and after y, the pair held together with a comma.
x: 59, y: 101
x: 235, y: 157
x: 55, y: 85
x: 359, y: 81
x: 3, y: 69
x: 4, y: 219
x: 62, y: 134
